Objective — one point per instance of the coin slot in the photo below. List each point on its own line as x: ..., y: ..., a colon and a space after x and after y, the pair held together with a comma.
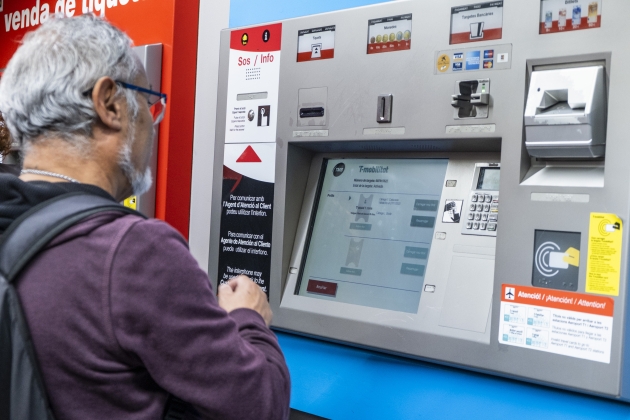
x: 384, y: 108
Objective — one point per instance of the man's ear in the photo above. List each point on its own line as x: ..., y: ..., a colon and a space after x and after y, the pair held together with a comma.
x: 107, y: 106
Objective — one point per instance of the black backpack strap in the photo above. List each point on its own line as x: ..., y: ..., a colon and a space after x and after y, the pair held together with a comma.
x: 33, y: 230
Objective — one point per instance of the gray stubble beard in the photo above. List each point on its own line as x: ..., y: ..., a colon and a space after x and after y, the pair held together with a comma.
x: 140, y: 181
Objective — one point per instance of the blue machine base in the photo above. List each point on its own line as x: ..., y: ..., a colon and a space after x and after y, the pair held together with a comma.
x: 340, y: 382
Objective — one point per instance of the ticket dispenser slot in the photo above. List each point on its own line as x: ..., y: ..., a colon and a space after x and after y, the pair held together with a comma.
x: 471, y: 99
x: 312, y: 112
x: 565, y: 115
x: 312, y: 107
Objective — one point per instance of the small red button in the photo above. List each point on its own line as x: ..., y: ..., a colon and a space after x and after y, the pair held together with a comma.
x: 322, y: 287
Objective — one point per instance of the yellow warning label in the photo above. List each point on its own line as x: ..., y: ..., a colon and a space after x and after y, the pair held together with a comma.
x: 604, y: 254
x: 443, y: 63
x: 131, y: 202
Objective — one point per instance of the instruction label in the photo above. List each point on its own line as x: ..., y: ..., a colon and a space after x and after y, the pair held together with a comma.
x: 572, y: 15
x: 247, y: 212
x: 316, y: 44
x: 604, y: 254
x: 389, y: 34
x: 566, y: 323
x: 477, y: 22
x: 253, y: 82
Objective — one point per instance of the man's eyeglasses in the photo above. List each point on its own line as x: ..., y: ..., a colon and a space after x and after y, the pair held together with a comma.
x: 155, y: 100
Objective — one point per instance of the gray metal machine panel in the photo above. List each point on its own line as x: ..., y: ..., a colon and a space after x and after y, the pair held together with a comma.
x: 421, y: 126
x: 151, y: 58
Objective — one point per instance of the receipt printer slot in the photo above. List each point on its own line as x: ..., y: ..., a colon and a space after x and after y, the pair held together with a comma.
x: 312, y: 112
x: 565, y: 115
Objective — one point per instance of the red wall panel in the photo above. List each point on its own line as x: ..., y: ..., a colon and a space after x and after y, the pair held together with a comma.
x: 173, y: 23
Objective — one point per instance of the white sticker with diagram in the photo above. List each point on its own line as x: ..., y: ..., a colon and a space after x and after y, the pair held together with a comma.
x: 555, y: 321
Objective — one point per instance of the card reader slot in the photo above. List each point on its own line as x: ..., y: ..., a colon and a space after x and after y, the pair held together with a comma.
x: 312, y: 112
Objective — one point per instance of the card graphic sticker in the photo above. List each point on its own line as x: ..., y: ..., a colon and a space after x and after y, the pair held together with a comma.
x: 253, y: 82
x: 316, y: 44
x: 477, y: 22
x: 556, y: 321
x: 604, y: 254
x: 452, y: 211
x: 556, y: 259
x: 389, y: 34
x: 562, y: 16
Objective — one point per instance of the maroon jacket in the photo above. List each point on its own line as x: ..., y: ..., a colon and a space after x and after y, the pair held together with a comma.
x: 121, y: 315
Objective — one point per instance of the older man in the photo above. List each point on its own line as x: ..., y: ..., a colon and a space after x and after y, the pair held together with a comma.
x: 120, y: 314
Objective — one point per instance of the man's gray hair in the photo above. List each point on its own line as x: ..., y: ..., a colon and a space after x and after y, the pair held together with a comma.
x: 42, y: 89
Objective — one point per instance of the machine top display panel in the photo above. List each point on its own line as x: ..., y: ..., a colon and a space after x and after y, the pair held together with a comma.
x: 371, y: 231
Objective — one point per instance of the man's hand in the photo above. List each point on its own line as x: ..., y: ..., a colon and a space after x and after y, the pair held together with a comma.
x: 242, y: 292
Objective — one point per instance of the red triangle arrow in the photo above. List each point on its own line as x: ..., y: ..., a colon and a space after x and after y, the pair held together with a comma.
x: 248, y: 156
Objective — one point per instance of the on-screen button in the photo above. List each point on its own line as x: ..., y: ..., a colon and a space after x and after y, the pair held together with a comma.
x: 322, y: 287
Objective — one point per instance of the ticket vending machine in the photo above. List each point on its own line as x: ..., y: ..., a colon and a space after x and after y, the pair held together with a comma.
x: 151, y: 58
x: 450, y: 183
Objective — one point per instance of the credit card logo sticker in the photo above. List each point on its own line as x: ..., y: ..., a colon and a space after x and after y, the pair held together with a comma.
x: 458, y: 56
x: 472, y: 60
x: 458, y: 66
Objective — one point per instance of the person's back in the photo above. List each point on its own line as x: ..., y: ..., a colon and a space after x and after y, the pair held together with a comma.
x: 120, y: 313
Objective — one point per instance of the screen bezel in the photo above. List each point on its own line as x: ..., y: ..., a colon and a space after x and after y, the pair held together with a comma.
x: 311, y: 224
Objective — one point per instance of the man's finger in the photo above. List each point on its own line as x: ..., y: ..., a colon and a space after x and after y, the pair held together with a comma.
x: 225, y: 289
x: 239, y: 281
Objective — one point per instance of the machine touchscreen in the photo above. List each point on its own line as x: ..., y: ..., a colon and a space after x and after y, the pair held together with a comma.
x: 371, y: 230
